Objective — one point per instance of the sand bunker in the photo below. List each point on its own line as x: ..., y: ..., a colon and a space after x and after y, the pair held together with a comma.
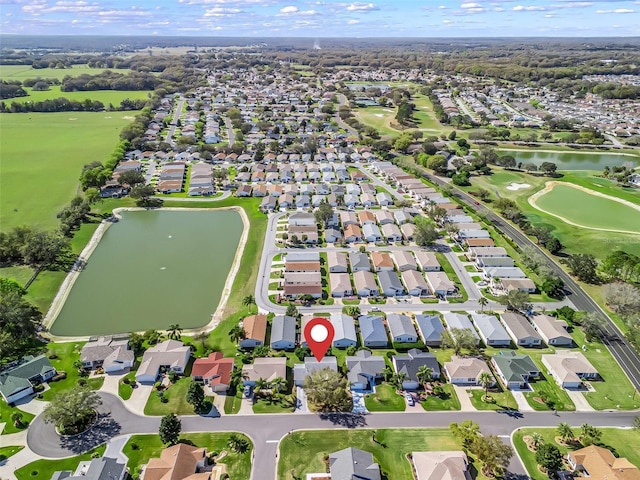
x: 518, y: 186
x: 378, y: 115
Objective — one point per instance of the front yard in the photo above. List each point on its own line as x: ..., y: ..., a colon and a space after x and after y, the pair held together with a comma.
x: 176, y: 395
x: 66, y: 353
x: 447, y: 401
x: 5, y: 416
x: 272, y: 404
x: 385, y: 399
x: 499, y: 399
x: 43, y: 469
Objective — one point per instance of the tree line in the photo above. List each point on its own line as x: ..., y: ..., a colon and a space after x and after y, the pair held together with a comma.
x: 63, y: 104
x: 110, y: 80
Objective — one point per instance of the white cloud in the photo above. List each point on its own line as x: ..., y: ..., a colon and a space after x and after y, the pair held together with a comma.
x: 353, y: 22
x: 528, y: 8
x: 361, y: 7
x: 617, y: 10
x: 221, y: 12
x: 289, y: 9
x: 470, y: 5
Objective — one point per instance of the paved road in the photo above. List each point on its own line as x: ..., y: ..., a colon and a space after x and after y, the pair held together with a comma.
x: 176, y: 117
x: 267, y: 430
x: 342, y: 100
x: 628, y: 359
x: 230, y: 133
x: 225, y: 194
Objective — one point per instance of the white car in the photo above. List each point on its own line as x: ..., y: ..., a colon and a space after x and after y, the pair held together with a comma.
x: 409, y: 398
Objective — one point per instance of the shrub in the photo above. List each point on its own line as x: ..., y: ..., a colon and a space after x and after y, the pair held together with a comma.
x: 82, y: 382
x: 135, y: 446
x: 157, y: 385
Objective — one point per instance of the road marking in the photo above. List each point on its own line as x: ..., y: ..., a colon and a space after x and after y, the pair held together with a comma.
x: 504, y: 436
x: 272, y: 441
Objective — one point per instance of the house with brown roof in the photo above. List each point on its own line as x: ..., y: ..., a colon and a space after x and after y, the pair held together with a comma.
x: 180, y: 462
x: 255, y: 329
x: 465, y: 370
x: 381, y: 261
x: 352, y: 233
x: 214, y: 371
x: 405, y: 261
x: 302, y: 266
x: 451, y: 465
x: 598, y: 463
x: 267, y: 368
x: 366, y: 216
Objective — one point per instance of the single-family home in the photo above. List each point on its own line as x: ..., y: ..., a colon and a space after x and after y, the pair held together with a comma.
x: 430, y: 328
x: 491, y: 330
x: 340, y: 284
x: 302, y: 201
x: 479, y: 242
x: 352, y: 233
x: 520, y: 330
x: 283, y: 332
x: 305, y: 256
x: 552, y: 330
x: 465, y: 370
x: 427, y: 261
x: 104, y: 468
x: 408, y: 231
x: 17, y: 381
x: 402, y: 217
x: 373, y: 332
x: 390, y: 284
x: 405, y: 260
x: 371, y: 233
x: 244, y: 191
x: 442, y: 465
x: 112, y: 354
x: 302, y: 219
x: 415, y: 283
x: 460, y: 321
x: 384, y: 199
x: 364, y: 369
x: 352, y: 463
x: 514, y: 369
x: 366, y: 216
x: 344, y: 330
x: 569, y: 368
x: 310, y: 365
x: 477, y: 252
x: 503, y: 272
x: 368, y: 200
x: 180, y: 461
x: 214, y: 371
x: 337, y: 262
x: 466, y: 234
x: 348, y: 218
x: 410, y: 363
x: 332, y: 235
x: 365, y: 284
x: 267, y: 368
x: 391, y: 232
x: 401, y: 328
x: 598, y: 463
x: 439, y: 283
x: 168, y: 355
x: 489, y: 262
x: 268, y: 204
x: 255, y: 329
x: 384, y: 217
x: 302, y: 267
x: 359, y: 262
x: 381, y: 261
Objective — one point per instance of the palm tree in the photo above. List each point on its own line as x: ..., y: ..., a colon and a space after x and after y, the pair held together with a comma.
x: 483, y: 303
x: 174, y: 331
x: 398, y: 378
x: 278, y: 384
x: 485, y: 379
x: 424, y: 374
x: 237, y: 333
x: 16, y: 419
x: 78, y: 365
x: 261, y: 384
x: 248, y: 300
x: 565, y: 432
x: 536, y: 440
x: 237, y: 443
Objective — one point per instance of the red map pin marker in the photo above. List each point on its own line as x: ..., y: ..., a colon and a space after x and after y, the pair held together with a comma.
x: 319, y: 334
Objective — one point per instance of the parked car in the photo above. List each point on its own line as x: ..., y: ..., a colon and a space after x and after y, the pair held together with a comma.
x: 247, y: 391
x: 409, y: 398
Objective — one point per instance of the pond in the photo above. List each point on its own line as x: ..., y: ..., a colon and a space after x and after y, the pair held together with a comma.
x: 153, y: 269
x: 572, y: 160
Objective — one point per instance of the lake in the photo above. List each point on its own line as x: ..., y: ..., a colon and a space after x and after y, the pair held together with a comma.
x: 153, y: 269
x: 572, y: 160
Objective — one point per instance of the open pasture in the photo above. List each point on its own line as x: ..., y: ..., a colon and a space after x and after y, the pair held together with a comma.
x: 24, y: 72
x: 107, y: 97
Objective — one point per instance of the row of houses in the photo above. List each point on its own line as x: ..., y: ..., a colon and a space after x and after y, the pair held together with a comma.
x: 172, y: 177
x: 302, y: 275
x: 201, y: 181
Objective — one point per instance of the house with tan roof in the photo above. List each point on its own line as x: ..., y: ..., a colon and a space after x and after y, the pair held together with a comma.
x: 366, y: 216
x: 381, y: 261
x: 520, y: 330
x: 352, y: 233
x: 408, y: 231
x: 337, y: 262
x: 443, y: 465
x: 340, y: 285
x: 440, y: 284
x: 427, y: 261
x: 180, y: 462
x: 568, y: 368
x: 552, y: 330
x: 365, y: 284
x: 465, y: 370
x: 255, y: 329
x: 169, y: 355
x: 405, y: 260
x: 267, y: 368
x: 597, y: 463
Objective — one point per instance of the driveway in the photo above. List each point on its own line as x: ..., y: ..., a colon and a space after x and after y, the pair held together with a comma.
x: 138, y: 399
x: 31, y: 405
x: 579, y: 400
x: 523, y: 405
x: 358, y: 402
x: 301, y: 401
x: 111, y: 383
x: 246, y: 406
x: 115, y: 446
x: 465, y: 399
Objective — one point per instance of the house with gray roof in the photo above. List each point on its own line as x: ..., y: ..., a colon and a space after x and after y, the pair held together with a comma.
x: 458, y: 320
x: 112, y: 354
x: 514, y: 369
x: 401, y: 328
x: 18, y: 378
x: 390, y: 283
x: 353, y: 464
x: 359, y: 262
x: 491, y: 330
x: 170, y: 355
x: 283, y: 332
x: 371, y: 233
x: 364, y: 369
x: 430, y: 328
x: 520, y: 330
x: 344, y: 330
x: 503, y: 272
x: 372, y: 331
x: 410, y: 363
x: 488, y: 262
x: 104, y: 468
x: 310, y: 365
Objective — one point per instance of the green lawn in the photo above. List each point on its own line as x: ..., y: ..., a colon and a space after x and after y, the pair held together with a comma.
x: 624, y: 442
x: 46, y: 151
x: 113, y: 97
x: 232, y: 403
x: 287, y: 404
x: 448, y: 401
x: 176, y: 395
x: 6, y: 452
x: 125, y: 389
x: 67, y: 353
x: 43, y: 469
x: 5, y: 416
x: 303, y: 452
x: 547, y: 386
x: 385, y: 399
x: 502, y: 400
x: 238, y: 465
x: 24, y: 72
x: 448, y: 269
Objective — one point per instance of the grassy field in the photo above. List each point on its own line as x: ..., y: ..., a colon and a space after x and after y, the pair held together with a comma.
x: 43, y: 469
x: 623, y: 441
x: 385, y: 400
x: 6, y: 452
x: 107, y: 97
x: 303, y: 452
x: 5, y: 416
x: 24, y: 72
x: 238, y: 465
x: 42, y: 156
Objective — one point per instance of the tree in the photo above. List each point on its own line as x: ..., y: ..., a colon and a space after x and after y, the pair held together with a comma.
x: 466, y: 432
x: 131, y: 178
x: 483, y: 302
x: 494, y: 454
x: 584, y: 266
x: 397, y: 379
x: 17, y: 419
x: 143, y: 195
x: 553, y: 286
x: 238, y: 443
x: 589, y: 434
x: 536, y: 440
x: 458, y: 339
x: 622, y: 298
x: 437, y: 163
x: 403, y: 142
x: 44, y: 248
x: 424, y: 374
x: 593, y: 325
x: 292, y: 311
x: 71, y: 408
x: 78, y: 365
x: 152, y: 336
x: 461, y: 179
x: 323, y: 214
x: 237, y: 333
x: 174, y: 331
x: 278, y: 384
x: 554, y: 245
x: 135, y: 342
x: 195, y: 395
x: 248, y: 300
x: 485, y: 380
x: 327, y: 391
x: 565, y: 432
x: 549, y: 168
x: 548, y: 456
x: 426, y: 233
x: 260, y: 385
x: 9, y: 285
x: 170, y: 427
x: 516, y: 300
x: 352, y: 311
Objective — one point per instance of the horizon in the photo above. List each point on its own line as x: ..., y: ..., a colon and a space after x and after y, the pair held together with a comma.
x: 324, y: 19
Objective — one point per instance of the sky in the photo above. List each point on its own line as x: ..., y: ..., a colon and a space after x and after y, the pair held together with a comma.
x: 323, y: 18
